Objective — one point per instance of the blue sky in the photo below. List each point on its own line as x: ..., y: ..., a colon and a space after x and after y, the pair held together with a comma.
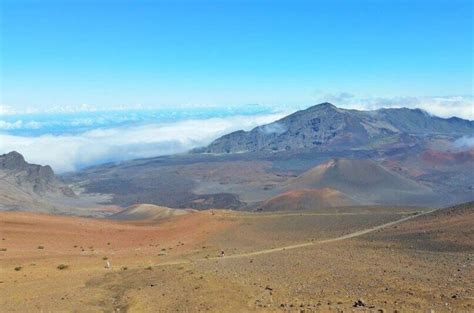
x: 157, y: 53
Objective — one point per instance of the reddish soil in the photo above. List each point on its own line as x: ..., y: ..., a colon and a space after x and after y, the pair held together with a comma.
x: 22, y: 234
x: 447, y: 157
x: 304, y: 199
x: 173, y: 265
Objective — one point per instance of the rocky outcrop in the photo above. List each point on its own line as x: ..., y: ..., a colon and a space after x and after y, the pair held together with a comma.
x: 30, y: 177
x: 31, y: 187
x: 13, y: 161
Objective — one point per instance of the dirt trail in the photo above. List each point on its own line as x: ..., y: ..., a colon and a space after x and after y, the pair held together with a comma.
x: 297, y: 246
x: 278, y: 215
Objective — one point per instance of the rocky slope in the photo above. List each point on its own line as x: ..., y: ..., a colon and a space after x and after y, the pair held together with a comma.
x: 25, y: 186
x: 325, y: 126
x: 31, y: 177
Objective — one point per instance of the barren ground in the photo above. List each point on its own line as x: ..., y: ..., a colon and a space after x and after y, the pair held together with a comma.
x: 422, y: 263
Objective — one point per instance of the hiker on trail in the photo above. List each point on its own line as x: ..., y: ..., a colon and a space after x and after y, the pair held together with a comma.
x: 107, y: 265
x: 222, y: 253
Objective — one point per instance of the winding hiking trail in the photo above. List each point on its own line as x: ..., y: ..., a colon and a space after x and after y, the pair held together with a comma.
x: 300, y: 245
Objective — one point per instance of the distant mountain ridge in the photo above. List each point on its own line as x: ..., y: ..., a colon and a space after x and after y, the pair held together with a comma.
x: 323, y: 156
x: 326, y: 126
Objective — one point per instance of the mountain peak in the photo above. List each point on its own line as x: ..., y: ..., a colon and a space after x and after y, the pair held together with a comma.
x: 324, y: 126
x: 12, y: 160
x: 327, y: 104
x: 14, y: 156
x: 324, y: 105
x: 30, y: 177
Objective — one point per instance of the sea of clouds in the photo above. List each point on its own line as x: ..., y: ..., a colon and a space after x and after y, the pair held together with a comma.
x: 71, y: 151
x: 71, y: 138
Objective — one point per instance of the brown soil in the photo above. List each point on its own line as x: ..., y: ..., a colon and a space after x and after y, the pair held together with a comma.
x: 345, y: 258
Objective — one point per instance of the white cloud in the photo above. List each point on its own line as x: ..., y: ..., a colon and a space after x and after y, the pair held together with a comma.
x: 6, y: 110
x: 273, y: 128
x: 464, y: 142
x: 70, y: 152
x: 9, y: 110
x: 11, y: 125
x: 19, y: 124
x: 449, y: 106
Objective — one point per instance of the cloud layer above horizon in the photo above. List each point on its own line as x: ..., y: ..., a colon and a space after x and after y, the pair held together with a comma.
x: 71, y: 138
x: 69, y: 152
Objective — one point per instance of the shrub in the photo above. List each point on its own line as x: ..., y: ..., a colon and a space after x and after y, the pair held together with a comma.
x: 41, y: 247
x: 62, y: 267
x: 18, y: 268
